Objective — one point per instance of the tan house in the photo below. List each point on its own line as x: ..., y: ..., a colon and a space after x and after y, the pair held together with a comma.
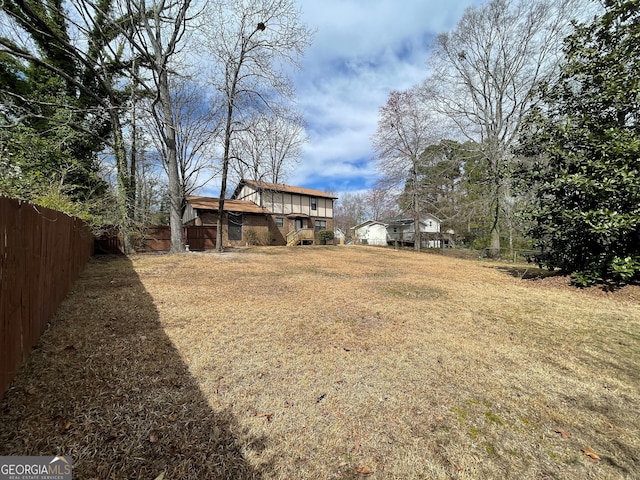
x: 265, y: 213
x: 298, y: 213
x: 241, y: 216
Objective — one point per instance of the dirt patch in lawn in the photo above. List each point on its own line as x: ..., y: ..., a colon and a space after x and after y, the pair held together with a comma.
x: 330, y: 362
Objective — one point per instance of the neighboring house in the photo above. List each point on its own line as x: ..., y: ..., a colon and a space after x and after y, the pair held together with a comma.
x: 370, y: 232
x: 340, y: 235
x: 402, y: 230
x: 298, y: 213
x: 264, y: 212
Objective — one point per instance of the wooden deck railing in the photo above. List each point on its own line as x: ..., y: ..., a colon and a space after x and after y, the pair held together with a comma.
x: 296, y: 237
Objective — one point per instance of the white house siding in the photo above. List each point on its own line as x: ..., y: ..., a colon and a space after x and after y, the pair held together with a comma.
x: 371, y: 234
x: 280, y: 203
x: 325, y: 207
x: 404, y: 232
x: 249, y: 194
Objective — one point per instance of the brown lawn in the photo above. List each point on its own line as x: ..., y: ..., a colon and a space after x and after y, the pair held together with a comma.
x: 331, y: 362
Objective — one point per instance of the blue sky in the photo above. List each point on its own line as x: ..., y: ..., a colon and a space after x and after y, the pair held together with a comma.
x: 362, y: 50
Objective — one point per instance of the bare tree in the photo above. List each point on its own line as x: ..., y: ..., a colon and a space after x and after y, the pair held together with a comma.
x: 485, y: 72
x: 350, y: 210
x: 270, y: 146
x: 157, y: 29
x: 405, y: 129
x: 150, y: 186
x: 285, y: 135
x: 197, y: 126
x: 381, y: 203
x: 250, y: 41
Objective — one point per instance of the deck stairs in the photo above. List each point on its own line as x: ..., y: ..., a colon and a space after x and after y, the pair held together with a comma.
x: 301, y: 236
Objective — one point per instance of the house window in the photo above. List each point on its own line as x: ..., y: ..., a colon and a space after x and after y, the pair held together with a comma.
x: 320, y: 225
x: 279, y: 222
x: 314, y: 203
x: 235, y: 226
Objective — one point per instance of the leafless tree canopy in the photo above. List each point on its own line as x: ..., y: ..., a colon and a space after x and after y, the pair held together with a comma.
x: 250, y: 42
x: 197, y: 125
x: 157, y: 39
x: 270, y: 146
x: 405, y: 129
x: 486, y: 70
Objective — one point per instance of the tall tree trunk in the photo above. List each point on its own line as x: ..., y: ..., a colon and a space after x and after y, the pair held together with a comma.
x: 133, y: 168
x: 125, y: 196
x: 494, y: 249
x: 175, y: 194
x: 225, y: 171
x: 417, y: 234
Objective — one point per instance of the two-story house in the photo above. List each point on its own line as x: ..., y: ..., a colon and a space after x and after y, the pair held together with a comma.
x: 401, y: 230
x: 267, y: 213
x: 292, y: 209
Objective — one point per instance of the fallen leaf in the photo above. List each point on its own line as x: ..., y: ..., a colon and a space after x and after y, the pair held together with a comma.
x: 160, y: 477
x: 268, y: 416
x: 154, y: 436
x: 591, y: 454
x: 563, y: 433
x: 356, y: 448
x: 67, y: 426
x: 364, y: 470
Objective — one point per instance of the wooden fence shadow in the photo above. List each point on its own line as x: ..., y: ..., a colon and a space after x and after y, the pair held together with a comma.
x: 106, y: 386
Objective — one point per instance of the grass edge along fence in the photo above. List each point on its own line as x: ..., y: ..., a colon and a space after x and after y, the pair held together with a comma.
x: 42, y: 252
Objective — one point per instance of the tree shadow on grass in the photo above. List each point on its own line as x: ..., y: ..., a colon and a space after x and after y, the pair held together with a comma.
x: 536, y: 273
x: 531, y: 272
x: 107, y: 387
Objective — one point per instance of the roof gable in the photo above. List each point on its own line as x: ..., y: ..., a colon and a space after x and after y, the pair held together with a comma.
x: 279, y: 187
x: 230, y: 205
x: 407, y: 220
x: 369, y: 223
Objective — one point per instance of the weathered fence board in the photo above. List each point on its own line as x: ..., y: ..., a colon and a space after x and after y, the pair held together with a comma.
x: 42, y: 252
x: 158, y: 239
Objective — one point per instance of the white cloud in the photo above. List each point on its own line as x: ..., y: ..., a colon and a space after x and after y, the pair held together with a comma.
x: 361, y: 51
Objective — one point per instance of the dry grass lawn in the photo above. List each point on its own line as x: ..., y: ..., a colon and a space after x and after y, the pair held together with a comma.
x: 331, y: 362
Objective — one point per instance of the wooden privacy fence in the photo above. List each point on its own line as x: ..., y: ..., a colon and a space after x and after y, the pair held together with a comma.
x: 158, y: 239
x: 42, y: 252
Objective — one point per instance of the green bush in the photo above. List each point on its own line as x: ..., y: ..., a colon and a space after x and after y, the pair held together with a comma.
x: 325, y: 236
